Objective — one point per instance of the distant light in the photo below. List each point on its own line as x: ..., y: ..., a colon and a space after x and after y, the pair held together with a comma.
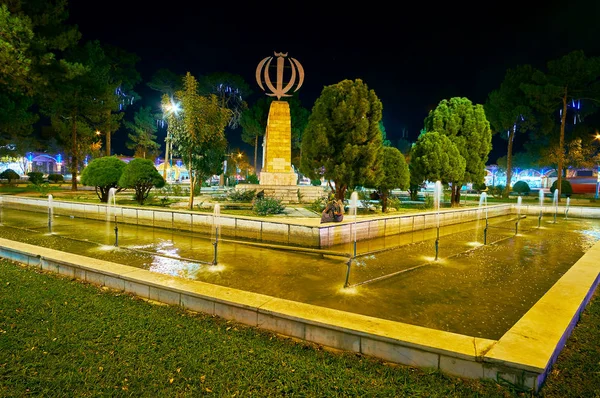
x: 98, y: 132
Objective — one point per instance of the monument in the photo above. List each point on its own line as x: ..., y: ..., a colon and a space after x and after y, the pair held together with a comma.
x: 277, y: 142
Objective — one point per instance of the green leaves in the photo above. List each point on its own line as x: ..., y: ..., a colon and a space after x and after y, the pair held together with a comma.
x: 141, y: 175
x: 435, y: 157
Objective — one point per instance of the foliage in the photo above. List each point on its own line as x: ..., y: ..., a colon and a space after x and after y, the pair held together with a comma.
x: 465, y: 124
x: 230, y: 90
x: 384, y: 140
x: 9, y: 174
x: 435, y: 157
x: 395, y: 174
x: 201, y: 142
x: 342, y: 140
x: 254, y: 123
x: 496, y: 191
x: 252, y: 179
x: 508, y: 110
x: 103, y: 174
x: 480, y: 187
x: 566, y: 188
x: 566, y: 80
x: 165, y: 82
x: 266, y: 206
x: 393, y: 203
x: 316, y: 182
x: 521, y: 188
x: 56, y: 178
x: 35, y: 177
x: 42, y: 188
x: 318, y: 205
x: 142, y: 138
x: 141, y: 175
x: 242, y: 195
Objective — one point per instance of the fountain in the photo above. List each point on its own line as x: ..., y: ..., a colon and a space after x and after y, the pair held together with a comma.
x: 437, y: 198
x: 567, y: 208
x: 216, y: 224
x: 50, y: 211
x: 112, y: 204
x: 555, y: 203
x: 541, y: 195
x: 519, y: 200
x: 1, y: 200
x: 353, y: 211
x: 483, y: 202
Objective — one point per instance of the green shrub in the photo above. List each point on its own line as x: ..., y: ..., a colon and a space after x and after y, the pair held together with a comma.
x: 315, y: 183
x: 245, y: 195
x: 177, y: 190
x: 43, y: 188
x: 521, y: 188
x: 566, y: 188
x: 141, y: 175
x: 496, y: 191
x: 252, y: 179
x: 479, y: 187
x: 103, y: 174
x: 35, y: 177
x: 9, y: 175
x: 318, y: 205
x: 56, y: 178
x: 393, y: 202
x: 266, y: 206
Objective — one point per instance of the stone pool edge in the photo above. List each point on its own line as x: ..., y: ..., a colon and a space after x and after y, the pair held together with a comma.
x: 522, y: 357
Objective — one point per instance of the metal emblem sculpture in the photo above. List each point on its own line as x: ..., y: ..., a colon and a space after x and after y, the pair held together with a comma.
x: 280, y: 91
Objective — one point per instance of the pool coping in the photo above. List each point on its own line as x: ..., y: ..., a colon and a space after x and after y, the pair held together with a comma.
x: 522, y: 357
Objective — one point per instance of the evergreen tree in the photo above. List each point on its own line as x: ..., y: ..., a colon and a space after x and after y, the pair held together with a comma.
x: 467, y: 127
x: 142, y: 139
x: 395, y: 174
x: 508, y: 110
x: 434, y: 157
x: 342, y: 140
x: 566, y: 82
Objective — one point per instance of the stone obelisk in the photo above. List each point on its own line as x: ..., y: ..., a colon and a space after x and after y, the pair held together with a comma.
x: 277, y: 146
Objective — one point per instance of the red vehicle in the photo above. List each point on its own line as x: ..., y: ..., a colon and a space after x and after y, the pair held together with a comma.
x: 584, y: 181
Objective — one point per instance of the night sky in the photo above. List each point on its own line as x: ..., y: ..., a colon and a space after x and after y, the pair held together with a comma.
x: 413, y: 54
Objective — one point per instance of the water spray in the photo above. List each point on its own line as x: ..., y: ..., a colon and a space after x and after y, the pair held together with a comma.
x: 353, y: 208
x: 116, y: 233
x: 50, y: 205
x: 567, y: 208
x: 216, y: 223
x: 541, y: 195
x: 519, y: 200
x: 437, y: 197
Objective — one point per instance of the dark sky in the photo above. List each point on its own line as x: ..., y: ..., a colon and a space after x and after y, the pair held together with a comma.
x: 412, y: 54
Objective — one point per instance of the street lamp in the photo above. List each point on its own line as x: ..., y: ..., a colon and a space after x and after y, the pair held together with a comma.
x: 171, y: 109
x: 597, y: 170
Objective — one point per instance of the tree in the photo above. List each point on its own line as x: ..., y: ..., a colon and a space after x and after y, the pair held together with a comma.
x: 141, y: 175
x: 567, y: 81
x: 467, y: 127
x: 9, y: 174
x: 165, y: 82
x: 434, y: 157
x: 74, y: 102
x: 230, y: 90
x: 508, y: 110
x: 142, y: 139
x: 384, y: 140
x: 122, y: 78
x: 395, y: 174
x: 103, y: 174
x: 342, y: 139
x: 204, y: 121
x: 254, y: 123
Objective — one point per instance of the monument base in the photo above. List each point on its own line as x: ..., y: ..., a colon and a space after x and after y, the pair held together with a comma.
x: 278, y: 178
x: 287, y: 194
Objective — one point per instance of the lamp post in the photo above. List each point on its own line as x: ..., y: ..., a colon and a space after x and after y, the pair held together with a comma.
x: 171, y: 109
x: 597, y: 170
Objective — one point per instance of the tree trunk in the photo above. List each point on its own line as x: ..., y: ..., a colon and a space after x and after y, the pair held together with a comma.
x: 255, y: 154
x: 561, y: 144
x: 455, y: 194
x: 108, y: 133
x: 384, y: 198
x: 74, y: 159
x: 192, y: 178
x: 511, y: 137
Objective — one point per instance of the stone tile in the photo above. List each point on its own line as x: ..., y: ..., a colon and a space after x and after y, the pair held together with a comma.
x: 94, y: 277
x: 114, y: 282
x: 163, y: 219
x: 79, y: 274
x: 461, y: 367
x: 519, y: 378
x: 182, y: 221
x: 164, y: 296
x: 398, y: 354
x: 304, y: 236
x: 249, y: 229
x: 145, y: 217
x: 66, y: 270
x: 139, y: 289
x: 392, y: 226
x: 376, y: 229
x: 332, y: 338
x: 238, y: 314
x: 197, y: 304
x: 49, y: 265
x: 128, y: 216
x: 202, y: 223
x: 281, y: 325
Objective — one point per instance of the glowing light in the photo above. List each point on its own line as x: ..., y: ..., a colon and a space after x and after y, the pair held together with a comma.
x: 474, y: 244
x: 348, y: 290
x: 59, y: 158
x: 98, y: 132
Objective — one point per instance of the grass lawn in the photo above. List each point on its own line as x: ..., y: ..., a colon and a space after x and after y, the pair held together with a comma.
x: 62, y: 337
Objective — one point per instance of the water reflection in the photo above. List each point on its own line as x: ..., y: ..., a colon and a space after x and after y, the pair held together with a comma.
x: 478, y: 291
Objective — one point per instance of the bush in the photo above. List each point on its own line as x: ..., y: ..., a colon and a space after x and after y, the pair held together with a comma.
x: 566, y: 188
x: 9, y: 175
x: 479, y: 187
x: 266, y: 206
x: 103, y: 173
x: 56, y: 178
x: 35, y: 177
x: 315, y: 183
x: 318, y: 205
x: 496, y: 191
x: 42, y: 188
x: 246, y: 195
x: 141, y: 175
x: 252, y: 179
x: 521, y: 188
x: 177, y: 190
x: 393, y: 203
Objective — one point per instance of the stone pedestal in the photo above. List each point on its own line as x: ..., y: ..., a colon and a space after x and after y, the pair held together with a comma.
x: 277, y: 155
